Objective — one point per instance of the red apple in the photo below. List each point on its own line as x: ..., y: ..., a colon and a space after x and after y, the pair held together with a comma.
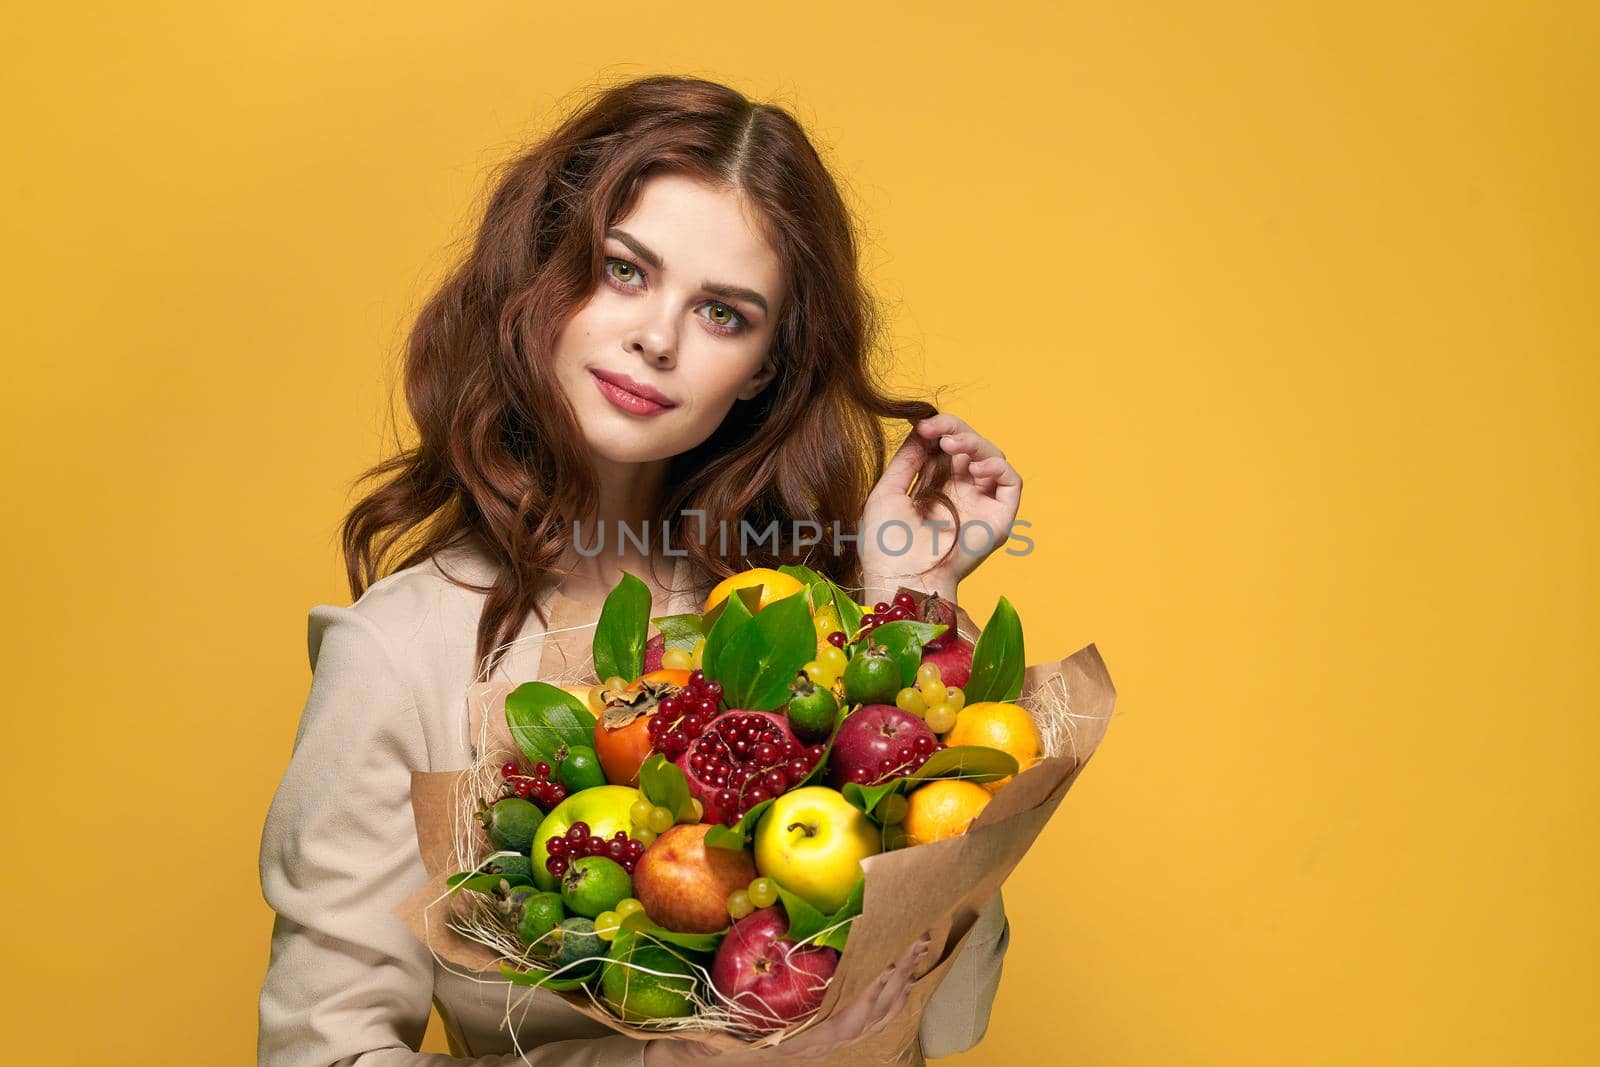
x: 765, y: 980
x: 876, y: 742
x: 684, y: 885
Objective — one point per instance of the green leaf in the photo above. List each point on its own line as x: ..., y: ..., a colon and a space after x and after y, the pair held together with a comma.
x: 620, y: 633
x: 841, y: 921
x: 546, y: 721
x: 804, y: 920
x: 664, y: 784
x: 904, y: 639
x: 802, y: 574
x: 764, y: 654
x: 640, y: 923
x: 485, y: 882
x: 739, y: 834
x: 975, y: 763
x: 732, y: 613
x: 853, y: 902
x: 834, y: 938
x: 573, y: 977
x: 998, y: 659
x: 849, y: 611
x: 867, y: 797
x: 681, y: 631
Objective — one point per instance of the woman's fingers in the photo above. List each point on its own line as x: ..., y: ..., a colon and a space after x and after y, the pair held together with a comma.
x: 999, y: 479
x: 940, y: 424
x: 904, y: 465
x: 970, y: 443
x: 900, y: 978
x: 994, y: 474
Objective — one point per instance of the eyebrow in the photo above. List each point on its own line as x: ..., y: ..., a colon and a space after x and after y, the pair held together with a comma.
x: 723, y: 289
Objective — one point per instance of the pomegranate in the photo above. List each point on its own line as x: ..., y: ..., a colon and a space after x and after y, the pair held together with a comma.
x: 766, y: 980
x: 951, y: 652
x: 741, y: 758
x: 878, y: 742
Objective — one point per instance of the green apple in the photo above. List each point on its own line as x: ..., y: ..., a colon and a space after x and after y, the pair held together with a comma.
x: 603, y: 807
x: 812, y: 841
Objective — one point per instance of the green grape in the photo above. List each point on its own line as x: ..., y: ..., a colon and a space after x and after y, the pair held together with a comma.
x: 910, y: 700
x: 763, y: 894
x: 640, y: 812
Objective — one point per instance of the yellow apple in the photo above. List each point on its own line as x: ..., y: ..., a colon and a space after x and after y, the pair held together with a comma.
x: 812, y: 841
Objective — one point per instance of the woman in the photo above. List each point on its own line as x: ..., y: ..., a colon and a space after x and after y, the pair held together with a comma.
x: 660, y: 326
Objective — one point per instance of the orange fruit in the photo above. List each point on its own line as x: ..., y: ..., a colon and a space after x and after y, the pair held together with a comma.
x: 996, y: 724
x: 623, y: 751
x: 670, y: 675
x: 775, y: 585
x: 942, y: 808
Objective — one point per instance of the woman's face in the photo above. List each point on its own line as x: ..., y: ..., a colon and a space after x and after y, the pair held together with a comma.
x: 686, y: 306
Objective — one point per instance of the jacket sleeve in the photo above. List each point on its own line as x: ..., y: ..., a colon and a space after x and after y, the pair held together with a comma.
x: 957, y: 1014
x: 347, y: 983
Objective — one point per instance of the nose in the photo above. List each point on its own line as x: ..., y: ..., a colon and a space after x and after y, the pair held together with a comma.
x: 654, y: 340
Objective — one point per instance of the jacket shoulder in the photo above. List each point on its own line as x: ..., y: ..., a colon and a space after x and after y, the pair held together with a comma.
x: 398, y: 607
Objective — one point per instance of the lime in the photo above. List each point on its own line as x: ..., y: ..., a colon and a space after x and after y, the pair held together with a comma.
x: 594, y: 884
x: 581, y: 769
x: 541, y: 913
x: 643, y: 980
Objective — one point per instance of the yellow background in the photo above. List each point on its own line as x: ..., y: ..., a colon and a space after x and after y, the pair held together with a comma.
x: 1285, y: 312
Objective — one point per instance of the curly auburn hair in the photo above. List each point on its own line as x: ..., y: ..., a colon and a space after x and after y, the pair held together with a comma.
x: 499, y: 455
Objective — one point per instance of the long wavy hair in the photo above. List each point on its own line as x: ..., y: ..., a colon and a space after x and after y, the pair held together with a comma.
x: 499, y: 456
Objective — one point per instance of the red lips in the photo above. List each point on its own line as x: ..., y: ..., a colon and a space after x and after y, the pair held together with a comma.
x: 637, y: 388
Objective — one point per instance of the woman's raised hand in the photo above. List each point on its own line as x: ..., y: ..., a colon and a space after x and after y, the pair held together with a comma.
x: 985, y: 489
x: 862, y: 1017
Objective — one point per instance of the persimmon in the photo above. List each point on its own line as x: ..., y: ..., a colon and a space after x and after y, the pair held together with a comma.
x: 621, y: 731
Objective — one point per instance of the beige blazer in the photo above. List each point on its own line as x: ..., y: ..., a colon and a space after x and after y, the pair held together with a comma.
x: 347, y: 982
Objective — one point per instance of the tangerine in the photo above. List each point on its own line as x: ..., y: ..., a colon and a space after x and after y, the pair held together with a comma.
x: 1001, y: 725
x: 775, y: 585
x: 943, y: 808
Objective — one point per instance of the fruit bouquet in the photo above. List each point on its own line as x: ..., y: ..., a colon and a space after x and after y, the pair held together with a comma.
x: 720, y: 825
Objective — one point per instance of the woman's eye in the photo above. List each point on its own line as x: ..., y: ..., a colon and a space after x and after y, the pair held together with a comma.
x: 622, y: 270
x: 724, y: 317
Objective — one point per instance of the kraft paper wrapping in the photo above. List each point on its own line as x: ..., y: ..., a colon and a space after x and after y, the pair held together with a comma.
x: 939, y: 887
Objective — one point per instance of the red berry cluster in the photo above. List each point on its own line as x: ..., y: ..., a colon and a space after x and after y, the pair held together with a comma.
x: 578, y: 843
x: 906, y: 759
x: 684, y: 716
x: 749, y: 758
x: 904, y: 606
x: 538, y: 787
